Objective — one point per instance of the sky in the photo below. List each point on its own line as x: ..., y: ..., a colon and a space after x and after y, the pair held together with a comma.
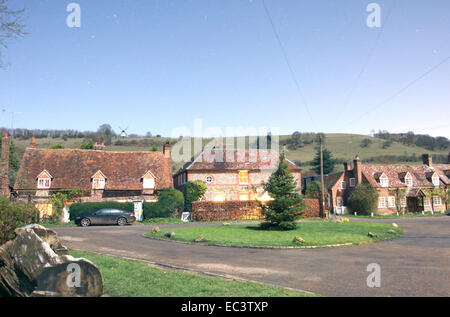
x: 158, y: 65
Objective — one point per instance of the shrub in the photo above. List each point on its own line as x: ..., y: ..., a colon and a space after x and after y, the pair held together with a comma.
x: 193, y: 191
x: 170, y: 202
x: 14, y: 215
x: 313, y: 190
x: 366, y: 143
x: 363, y: 199
x: 87, y: 145
x: 81, y: 209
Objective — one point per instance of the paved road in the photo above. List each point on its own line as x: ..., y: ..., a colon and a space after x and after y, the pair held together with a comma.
x: 416, y: 264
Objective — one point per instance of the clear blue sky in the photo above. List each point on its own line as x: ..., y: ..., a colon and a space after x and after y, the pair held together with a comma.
x: 156, y: 65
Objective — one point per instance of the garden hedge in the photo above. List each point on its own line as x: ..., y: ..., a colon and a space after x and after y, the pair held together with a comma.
x: 14, y: 215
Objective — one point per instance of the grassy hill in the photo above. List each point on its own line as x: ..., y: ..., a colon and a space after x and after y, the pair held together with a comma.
x: 342, y: 146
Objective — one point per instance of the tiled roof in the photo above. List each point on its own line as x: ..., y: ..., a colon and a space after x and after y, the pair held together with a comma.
x: 421, y: 175
x: 74, y: 168
x: 219, y: 159
x: 332, y: 179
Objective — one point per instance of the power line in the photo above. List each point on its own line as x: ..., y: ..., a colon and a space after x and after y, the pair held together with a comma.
x: 393, y: 96
x: 366, y: 63
x: 283, y: 50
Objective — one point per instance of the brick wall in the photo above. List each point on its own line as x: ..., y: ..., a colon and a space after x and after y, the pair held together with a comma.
x: 240, y: 210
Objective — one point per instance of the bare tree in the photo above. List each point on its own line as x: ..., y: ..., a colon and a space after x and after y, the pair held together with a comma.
x: 11, y: 26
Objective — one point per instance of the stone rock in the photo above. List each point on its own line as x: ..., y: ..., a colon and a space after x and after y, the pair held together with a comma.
x: 169, y: 235
x: 394, y: 225
x: 372, y: 235
x: 298, y: 240
x: 227, y: 224
x: 156, y: 230
x: 36, y: 264
x: 391, y: 231
x: 200, y: 239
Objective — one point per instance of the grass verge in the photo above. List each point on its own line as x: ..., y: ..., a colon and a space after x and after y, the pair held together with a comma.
x: 314, y: 234
x: 129, y: 278
x: 394, y: 216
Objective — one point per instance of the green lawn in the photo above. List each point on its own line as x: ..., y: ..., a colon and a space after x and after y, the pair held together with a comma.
x: 394, y: 216
x: 314, y: 234
x: 128, y: 278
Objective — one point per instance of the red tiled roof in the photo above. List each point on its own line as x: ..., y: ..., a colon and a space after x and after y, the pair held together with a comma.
x: 219, y: 159
x: 421, y: 175
x: 74, y: 168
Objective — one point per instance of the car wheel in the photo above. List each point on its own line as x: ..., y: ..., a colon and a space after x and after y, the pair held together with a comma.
x: 121, y: 221
x: 85, y: 222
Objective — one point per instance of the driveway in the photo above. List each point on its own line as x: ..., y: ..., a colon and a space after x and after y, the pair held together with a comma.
x: 416, y: 264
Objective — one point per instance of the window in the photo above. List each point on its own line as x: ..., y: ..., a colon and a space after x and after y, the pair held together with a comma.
x: 209, y: 179
x: 435, y: 180
x: 44, y: 182
x: 391, y: 202
x: 352, y: 182
x: 384, y: 181
x: 403, y: 202
x: 426, y: 202
x: 382, y: 202
x: 219, y: 197
x: 343, y: 185
x: 437, y: 201
x: 98, y: 183
x: 243, y: 177
x: 408, y: 181
x: 148, y: 183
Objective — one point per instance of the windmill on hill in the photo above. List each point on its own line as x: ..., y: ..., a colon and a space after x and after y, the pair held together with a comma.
x: 123, y: 133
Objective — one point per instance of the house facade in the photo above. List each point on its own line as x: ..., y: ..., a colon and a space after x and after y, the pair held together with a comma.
x: 401, y: 188
x: 233, y: 174
x: 101, y: 175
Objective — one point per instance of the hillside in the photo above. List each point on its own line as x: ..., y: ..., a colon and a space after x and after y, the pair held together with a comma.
x: 343, y: 146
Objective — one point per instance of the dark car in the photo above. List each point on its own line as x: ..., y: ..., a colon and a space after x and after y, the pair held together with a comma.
x: 106, y: 217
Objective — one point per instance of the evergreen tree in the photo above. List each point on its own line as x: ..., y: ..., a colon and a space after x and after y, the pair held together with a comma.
x: 328, y: 162
x: 286, y: 207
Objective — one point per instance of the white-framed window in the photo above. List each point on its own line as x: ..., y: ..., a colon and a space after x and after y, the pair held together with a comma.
x: 437, y: 201
x: 243, y: 177
x: 408, y: 181
x: 382, y: 202
x: 352, y: 182
x: 209, y: 179
x: 391, y: 202
x: 44, y: 182
x: 426, y: 202
x: 403, y: 202
x: 343, y: 185
x: 98, y: 183
x: 435, y: 180
x: 148, y: 183
x: 384, y: 181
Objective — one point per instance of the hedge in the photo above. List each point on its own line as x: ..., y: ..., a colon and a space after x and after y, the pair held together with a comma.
x: 81, y: 209
x: 170, y: 202
x: 14, y: 215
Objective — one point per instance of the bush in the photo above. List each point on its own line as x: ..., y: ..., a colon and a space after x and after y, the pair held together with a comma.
x: 363, y: 199
x: 193, y: 191
x: 170, y: 202
x: 313, y: 190
x: 81, y: 209
x: 14, y: 215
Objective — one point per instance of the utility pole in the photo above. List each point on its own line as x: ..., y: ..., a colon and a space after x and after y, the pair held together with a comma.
x: 324, y: 213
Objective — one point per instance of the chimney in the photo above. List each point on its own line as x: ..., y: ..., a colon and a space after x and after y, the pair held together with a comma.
x: 357, y: 170
x: 166, y: 150
x: 4, y: 166
x: 347, y: 166
x: 99, y: 146
x: 33, y: 143
x: 427, y: 160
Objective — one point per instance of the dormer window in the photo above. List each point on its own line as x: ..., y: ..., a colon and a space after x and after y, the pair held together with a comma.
x: 148, y: 180
x: 44, y: 180
x: 98, y: 180
x: 408, y: 180
x: 384, y: 180
x: 435, y: 180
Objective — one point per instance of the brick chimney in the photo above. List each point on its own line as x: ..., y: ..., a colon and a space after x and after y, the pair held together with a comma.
x: 357, y: 170
x: 33, y: 143
x: 4, y: 166
x: 166, y: 150
x: 427, y: 160
x: 99, y: 146
x: 347, y: 166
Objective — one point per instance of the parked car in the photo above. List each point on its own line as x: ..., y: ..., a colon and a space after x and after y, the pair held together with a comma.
x: 106, y: 217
